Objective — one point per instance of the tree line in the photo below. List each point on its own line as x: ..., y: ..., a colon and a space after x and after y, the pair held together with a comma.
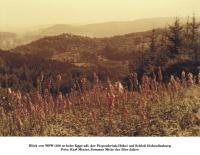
x: 177, y: 43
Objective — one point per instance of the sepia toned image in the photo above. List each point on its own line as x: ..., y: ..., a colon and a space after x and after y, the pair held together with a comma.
x: 100, y: 68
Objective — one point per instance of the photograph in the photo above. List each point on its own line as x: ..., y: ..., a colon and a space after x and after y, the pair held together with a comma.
x: 99, y: 68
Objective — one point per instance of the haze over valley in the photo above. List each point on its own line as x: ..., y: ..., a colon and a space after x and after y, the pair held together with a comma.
x: 9, y: 40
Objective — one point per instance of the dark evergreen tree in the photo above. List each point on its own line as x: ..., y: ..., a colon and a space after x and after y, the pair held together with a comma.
x: 194, y: 39
x: 163, y: 49
x: 175, y: 38
x: 187, y: 40
x: 142, y: 60
x: 151, y: 59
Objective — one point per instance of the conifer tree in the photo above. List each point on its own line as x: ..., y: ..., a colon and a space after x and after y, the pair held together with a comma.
x: 175, y: 38
x: 151, y: 59
x: 194, y: 27
x: 163, y: 48
x: 187, y: 40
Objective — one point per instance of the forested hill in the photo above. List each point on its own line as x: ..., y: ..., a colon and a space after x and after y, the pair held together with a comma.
x: 141, y: 52
x: 21, y: 72
x: 63, y: 47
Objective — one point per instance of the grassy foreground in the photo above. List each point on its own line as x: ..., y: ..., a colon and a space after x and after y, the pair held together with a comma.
x: 162, y: 111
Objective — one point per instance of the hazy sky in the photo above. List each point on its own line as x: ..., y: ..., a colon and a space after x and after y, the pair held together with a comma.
x: 23, y: 13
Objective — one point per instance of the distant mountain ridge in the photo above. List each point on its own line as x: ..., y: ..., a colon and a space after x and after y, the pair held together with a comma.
x: 97, y: 30
x: 108, y: 29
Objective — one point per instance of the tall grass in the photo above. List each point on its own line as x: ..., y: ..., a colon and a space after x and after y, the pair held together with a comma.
x: 156, y: 109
